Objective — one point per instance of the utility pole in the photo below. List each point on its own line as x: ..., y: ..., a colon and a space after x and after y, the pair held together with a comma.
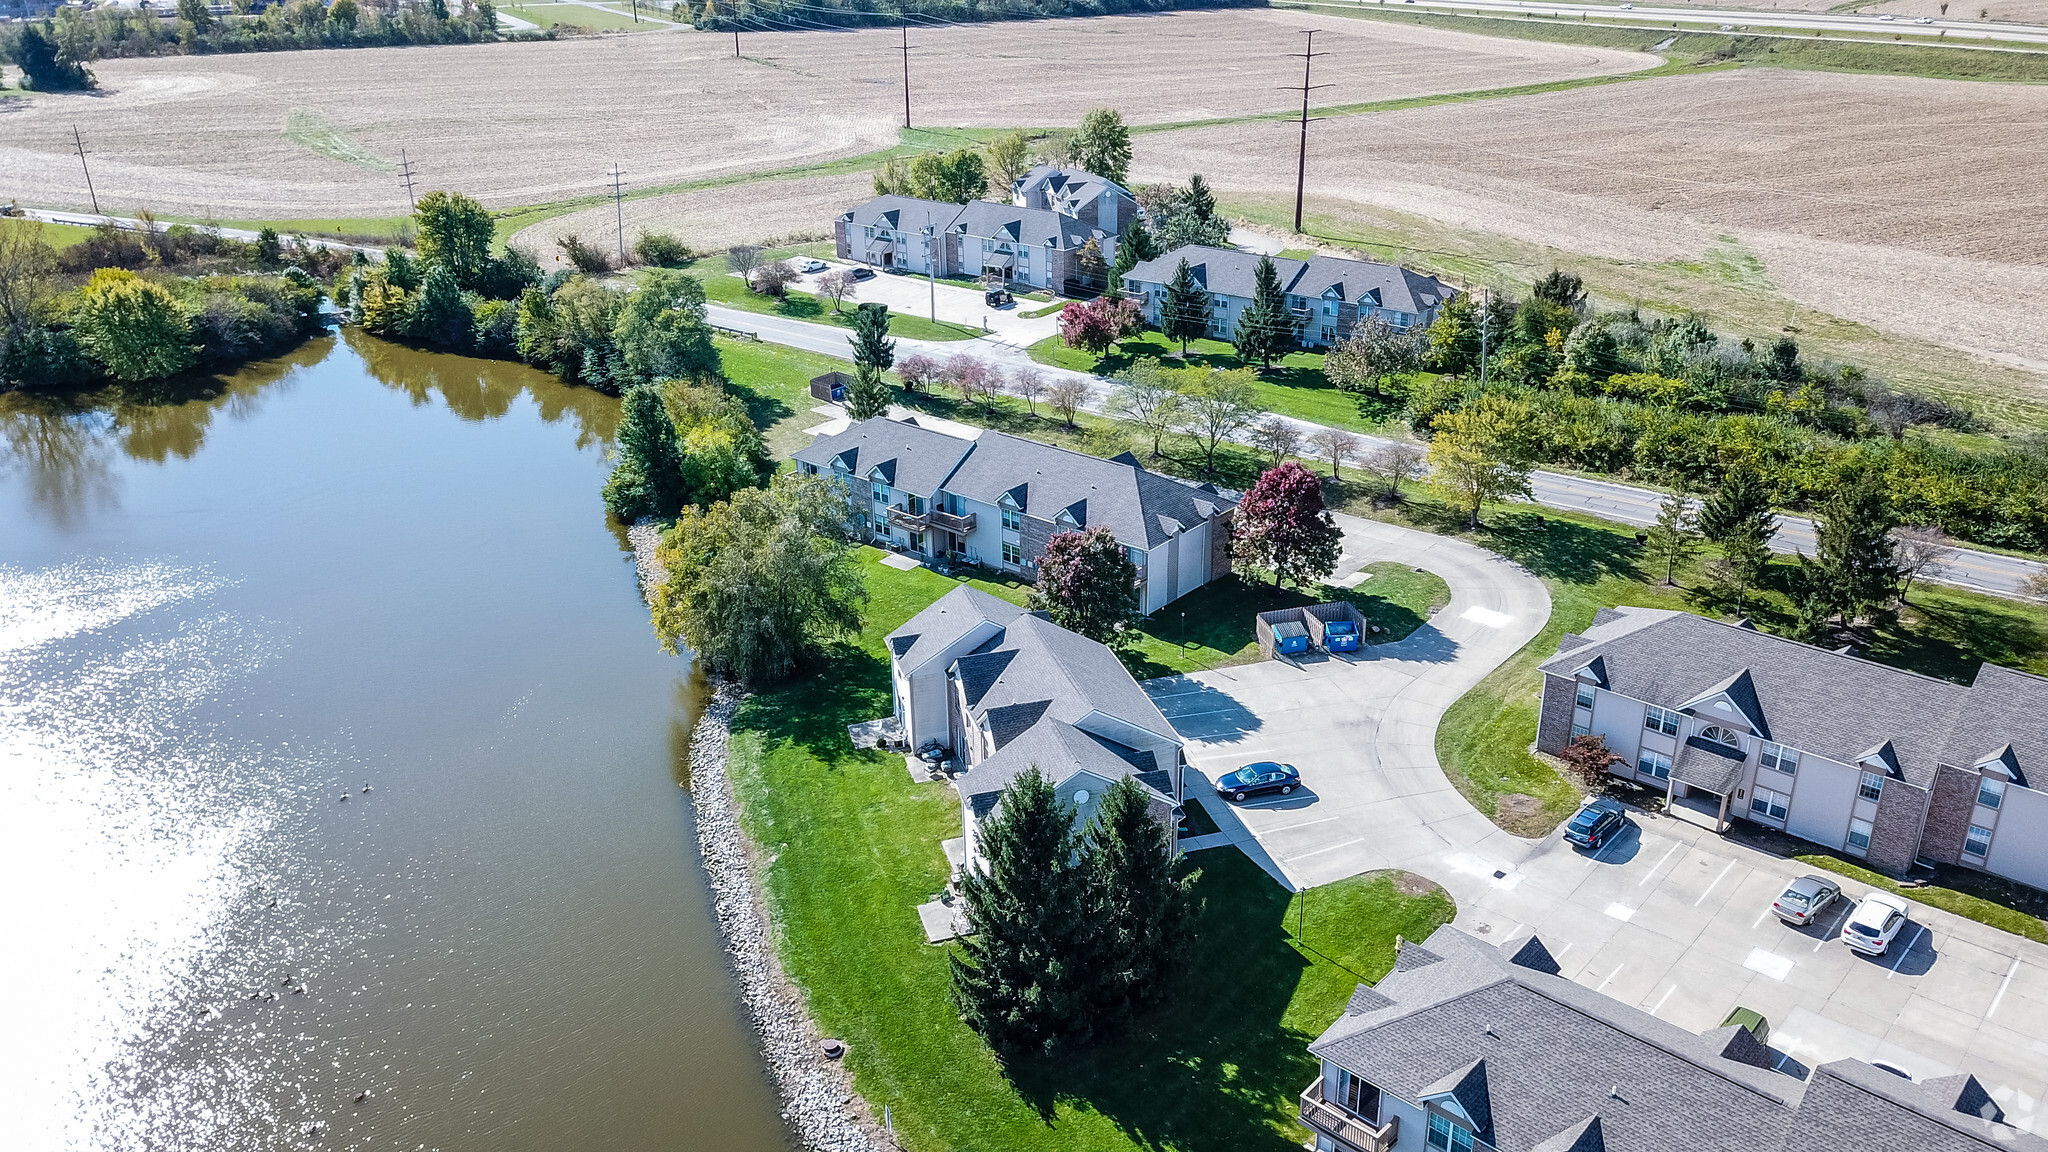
x: 735, y: 40
x: 78, y: 142
x: 1485, y: 300
x: 619, y: 207
x: 1301, y: 165
x: 906, y: 72
x: 405, y: 173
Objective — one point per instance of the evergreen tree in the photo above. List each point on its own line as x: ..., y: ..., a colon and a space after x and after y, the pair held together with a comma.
x: 1854, y: 568
x: 648, y: 480
x: 44, y: 66
x: 1675, y: 534
x: 1087, y: 584
x: 1266, y: 328
x: 1745, y: 553
x: 1184, y: 313
x: 1200, y: 201
x: 440, y: 315
x: 1561, y: 289
x: 867, y: 397
x: 1142, y: 914
x: 1282, y: 526
x: 1019, y: 977
x: 872, y: 348
x: 1739, y: 505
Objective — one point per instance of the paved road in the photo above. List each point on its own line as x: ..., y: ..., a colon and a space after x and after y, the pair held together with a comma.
x: 1966, y: 567
x: 1709, y: 19
x: 127, y: 224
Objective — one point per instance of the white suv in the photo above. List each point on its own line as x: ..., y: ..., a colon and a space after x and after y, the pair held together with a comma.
x: 1875, y: 923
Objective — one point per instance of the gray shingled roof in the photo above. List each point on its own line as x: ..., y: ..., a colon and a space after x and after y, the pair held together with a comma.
x: 1069, y: 186
x: 1036, y: 668
x: 1849, y: 1103
x: 1231, y: 272
x: 1140, y: 507
x: 1034, y: 226
x: 1705, y: 764
x: 945, y: 621
x: 910, y: 457
x: 1059, y: 750
x: 1828, y: 703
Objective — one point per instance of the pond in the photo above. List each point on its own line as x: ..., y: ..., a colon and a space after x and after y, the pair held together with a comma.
x: 337, y: 757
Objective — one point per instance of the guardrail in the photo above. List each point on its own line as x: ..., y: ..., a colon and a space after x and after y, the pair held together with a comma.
x: 737, y: 333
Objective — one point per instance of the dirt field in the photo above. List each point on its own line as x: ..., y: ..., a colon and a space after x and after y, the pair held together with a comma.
x: 526, y: 123
x: 1909, y: 205
x: 712, y: 218
x: 2007, y: 11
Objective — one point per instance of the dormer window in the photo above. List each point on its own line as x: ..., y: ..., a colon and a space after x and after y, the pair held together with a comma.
x: 1446, y: 1135
x: 1719, y: 735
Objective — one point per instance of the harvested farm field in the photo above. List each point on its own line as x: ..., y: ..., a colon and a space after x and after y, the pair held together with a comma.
x: 525, y: 123
x: 711, y: 219
x: 1908, y: 205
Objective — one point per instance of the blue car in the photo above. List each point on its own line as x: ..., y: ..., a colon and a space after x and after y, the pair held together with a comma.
x: 1596, y: 824
x: 1340, y: 636
x: 1253, y: 779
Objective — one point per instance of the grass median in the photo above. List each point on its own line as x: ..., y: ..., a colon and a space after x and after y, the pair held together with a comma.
x: 851, y: 845
x: 732, y: 292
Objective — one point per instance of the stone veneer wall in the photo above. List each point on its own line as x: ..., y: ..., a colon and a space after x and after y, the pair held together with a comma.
x: 1554, y: 722
x: 1032, y: 536
x: 1948, y: 814
x: 1895, y: 833
x: 1219, y: 544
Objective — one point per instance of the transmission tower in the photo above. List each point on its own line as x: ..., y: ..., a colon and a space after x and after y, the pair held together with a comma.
x: 78, y: 142
x: 1301, y: 164
x: 405, y: 174
x: 618, y: 180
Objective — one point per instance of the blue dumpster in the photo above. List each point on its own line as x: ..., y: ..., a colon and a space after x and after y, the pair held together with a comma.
x: 1290, y: 638
x: 1340, y: 636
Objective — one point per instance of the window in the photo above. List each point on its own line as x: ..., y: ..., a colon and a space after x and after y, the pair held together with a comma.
x: 1579, y: 730
x: 1013, y: 520
x: 1859, y: 835
x: 1872, y: 786
x: 1361, y: 1097
x: 1991, y: 791
x: 879, y: 494
x: 1720, y: 735
x: 1654, y: 764
x: 1765, y: 802
x: 1779, y: 758
x: 1446, y: 1136
x: 1978, y: 842
x: 1585, y: 695
x: 1661, y: 720
x: 1012, y: 554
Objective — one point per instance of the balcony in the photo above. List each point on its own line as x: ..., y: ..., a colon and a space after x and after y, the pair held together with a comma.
x: 1351, y: 1131
x: 959, y: 525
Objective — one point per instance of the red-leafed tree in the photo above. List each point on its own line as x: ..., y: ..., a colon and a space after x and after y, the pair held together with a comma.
x: 1283, y: 527
x: 1087, y: 584
x: 1096, y: 325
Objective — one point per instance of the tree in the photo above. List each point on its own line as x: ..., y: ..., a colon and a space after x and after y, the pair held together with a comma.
x: 1217, y: 405
x: 968, y: 375
x: 133, y: 326
x: 1095, y: 326
x: 919, y: 372
x: 1066, y: 394
x: 659, y: 250
x: 753, y: 581
x: 195, y: 13
x: 1917, y: 548
x: 1020, y: 976
x: 1335, y: 445
x: 44, y: 66
x: 1184, y: 312
x: 1372, y: 357
x: 1094, y: 269
x: 1103, y: 145
x: 1087, y: 584
x: 872, y: 348
x: 1561, y: 289
x: 1149, y: 399
x: 1265, y: 328
x: 1201, y: 203
x: 1675, y: 534
x: 1277, y: 437
x: 867, y: 397
x: 1853, y: 569
x: 1587, y: 759
x: 440, y: 315
x: 270, y: 250
x: 648, y: 479
x: 1483, y: 451
x: 744, y: 259
x: 775, y: 277
x: 1739, y: 504
x: 954, y: 177
x: 1009, y: 157
x: 1745, y: 554
x: 1142, y: 915
x: 1283, y: 527
x: 28, y: 271
x: 837, y: 285
x: 456, y: 232
x: 1028, y: 385
x: 344, y: 13
x: 1136, y: 247
x: 1397, y: 464
x: 663, y: 331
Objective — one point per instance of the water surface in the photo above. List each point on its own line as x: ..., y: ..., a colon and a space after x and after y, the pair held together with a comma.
x: 364, y: 572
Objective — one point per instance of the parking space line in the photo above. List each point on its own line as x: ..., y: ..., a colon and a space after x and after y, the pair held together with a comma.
x: 1715, y: 884
x: 1660, y: 863
x: 1760, y: 917
x: 1663, y: 998
x: 1303, y: 824
x: 1907, y: 951
x: 2002, y: 986
x: 1331, y: 848
x: 1610, y: 844
x: 1610, y: 977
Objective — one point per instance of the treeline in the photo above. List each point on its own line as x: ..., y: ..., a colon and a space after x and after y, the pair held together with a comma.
x: 1669, y: 401
x: 54, y: 53
x: 803, y: 15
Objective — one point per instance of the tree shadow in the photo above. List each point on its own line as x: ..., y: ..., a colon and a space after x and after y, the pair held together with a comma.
x: 1955, y: 636
x: 1561, y: 549
x: 763, y: 409
x: 839, y: 684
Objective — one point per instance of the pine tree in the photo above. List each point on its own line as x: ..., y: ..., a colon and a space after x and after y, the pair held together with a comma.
x: 1745, y: 553
x: 1854, y: 568
x: 648, y: 480
x: 1200, y: 201
x: 1282, y: 526
x: 1675, y: 535
x: 872, y: 348
x: 868, y: 396
x: 1184, y: 313
x: 1266, y: 327
x: 1018, y: 977
x: 1740, y: 504
x: 1143, y: 915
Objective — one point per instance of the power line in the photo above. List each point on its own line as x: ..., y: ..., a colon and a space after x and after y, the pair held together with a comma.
x: 78, y: 142
x: 618, y: 180
x: 1308, y: 57
x: 405, y: 173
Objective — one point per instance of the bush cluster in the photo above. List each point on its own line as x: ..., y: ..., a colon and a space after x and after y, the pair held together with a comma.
x: 55, y: 52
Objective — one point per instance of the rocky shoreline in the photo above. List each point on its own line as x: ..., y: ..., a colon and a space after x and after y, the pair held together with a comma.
x: 817, y: 1095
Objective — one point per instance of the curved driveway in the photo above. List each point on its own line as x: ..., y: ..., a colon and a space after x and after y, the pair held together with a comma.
x: 1363, y: 729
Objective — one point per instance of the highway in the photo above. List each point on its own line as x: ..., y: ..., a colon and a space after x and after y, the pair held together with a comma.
x: 1965, y: 567
x: 1938, y: 30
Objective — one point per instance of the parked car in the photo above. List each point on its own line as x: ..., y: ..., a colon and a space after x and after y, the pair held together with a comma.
x: 998, y: 298
x: 863, y: 272
x: 1805, y: 899
x: 1340, y: 636
x: 810, y: 264
x: 1875, y: 923
x: 1254, y: 779
x: 1595, y: 824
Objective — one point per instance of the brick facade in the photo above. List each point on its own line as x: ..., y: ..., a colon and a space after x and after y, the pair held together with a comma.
x: 1895, y: 833
x: 1032, y: 536
x: 1554, y: 721
x: 1219, y: 545
x: 1948, y: 814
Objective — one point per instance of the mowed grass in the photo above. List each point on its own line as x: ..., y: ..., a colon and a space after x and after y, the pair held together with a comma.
x: 852, y: 845
x: 2003, y: 916
x: 577, y: 16
x: 57, y: 236
x: 732, y: 292
x: 1212, y: 627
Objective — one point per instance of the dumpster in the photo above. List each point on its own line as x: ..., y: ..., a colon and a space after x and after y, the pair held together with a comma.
x: 1340, y: 636
x: 1290, y: 638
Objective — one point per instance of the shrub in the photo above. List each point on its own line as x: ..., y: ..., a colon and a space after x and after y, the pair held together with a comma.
x: 587, y: 259
x: 1587, y: 758
x: 133, y: 326
x: 661, y: 250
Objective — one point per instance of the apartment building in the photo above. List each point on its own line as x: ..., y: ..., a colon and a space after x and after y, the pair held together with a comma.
x: 1329, y: 295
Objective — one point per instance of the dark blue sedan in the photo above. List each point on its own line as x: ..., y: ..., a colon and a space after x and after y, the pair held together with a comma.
x: 1253, y: 779
x: 1595, y: 824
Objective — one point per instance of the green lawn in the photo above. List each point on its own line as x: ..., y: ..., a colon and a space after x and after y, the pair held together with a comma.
x: 57, y: 236
x: 1998, y: 915
x: 1211, y: 627
x: 577, y: 16
x: 852, y: 845
x: 732, y: 292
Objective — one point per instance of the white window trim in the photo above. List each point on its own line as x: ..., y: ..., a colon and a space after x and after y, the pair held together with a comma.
x: 1970, y: 836
x: 1865, y: 790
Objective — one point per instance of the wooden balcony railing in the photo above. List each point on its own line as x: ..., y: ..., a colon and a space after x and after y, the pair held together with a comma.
x: 1353, y: 1131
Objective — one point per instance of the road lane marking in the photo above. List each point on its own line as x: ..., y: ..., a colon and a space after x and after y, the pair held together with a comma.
x: 1662, y: 999
x: 1658, y: 864
x: 1610, y: 977
x: 1331, y: 848
x: 1769, y: 963
x: 1906, y: 952
x: 2002, y: 986
x: 1715, y: 884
